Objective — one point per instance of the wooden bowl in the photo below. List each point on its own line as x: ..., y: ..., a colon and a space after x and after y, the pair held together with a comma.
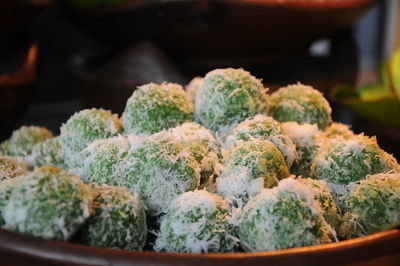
x: 16, y: 88
x: 15, y: 15
x: 378, y: 249
x: 214, y: 31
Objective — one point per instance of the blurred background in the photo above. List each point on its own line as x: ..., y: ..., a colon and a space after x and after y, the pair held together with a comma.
x: 57, y: 57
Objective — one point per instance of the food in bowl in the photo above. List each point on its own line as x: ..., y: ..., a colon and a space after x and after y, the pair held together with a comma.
x: 156, y: 107
x: 301, y: 104
x: 218, y: 181
x: 227, y: 97
x: 83, y: 128
x: 22, y: 140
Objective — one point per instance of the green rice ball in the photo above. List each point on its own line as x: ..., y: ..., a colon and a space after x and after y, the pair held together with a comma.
x: 264, y: 128
x: 338, y: 129
x: 227, y: 97
x: 204, y: 147
x: 197, y: 222
x: 193, y: 87
x: 83, y: 128
x: 248, y: 168
x: 118, y: 220
x: 300, y: 103
x: 49, y: 203
x: 324, y: 195
x: 308, y: 140
x: 103, y: 159
x: 341, y: 161
x: 48, y: 152
x: 156, y: 107
x: 371, y: 206
x: 10, y: 168
x: 22, y: 140
x: 159, y: 168
x: 6, y: 188
x: 286, y: 216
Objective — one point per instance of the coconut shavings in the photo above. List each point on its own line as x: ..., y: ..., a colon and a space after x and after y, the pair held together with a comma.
x: 197, y: 222
x: 227, y: 97
x: 264, y: 128
x: 156, y: 107
x: 286, y: 216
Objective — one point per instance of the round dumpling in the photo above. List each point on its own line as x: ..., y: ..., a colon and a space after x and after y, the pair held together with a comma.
x: 338, y: 129
x: 83, y: 128
x: 300, y: 103
x: 193, y: 88
x: 248, y: 168
x: 264, y: 128
x: 341, y: 161
x: 197, y: 222
x: 159, y: 168
x: 22, y: 140
x: 204, y: 147
x: 48, y: 152
x: 323, y: 194
x: 285, y: 216
x: 308, y: 139
x: 49, y: 203
x: 372, y: 205
x: 102, y: 160
x: 118, y: 220
x: 156, y: 107
x: 6, y: 188
x: 227, y: 97
x: 10, y: 168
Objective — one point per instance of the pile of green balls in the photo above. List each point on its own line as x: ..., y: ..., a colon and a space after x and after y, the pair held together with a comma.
x: 221, y: 167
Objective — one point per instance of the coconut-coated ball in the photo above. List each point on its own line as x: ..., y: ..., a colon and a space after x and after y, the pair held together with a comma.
x: 324, y: 195
x: 156, y: 107
x: 6, y: 188
x: 118, y: 220
x: 193, y: 87
x: 372, y: 205
x: 197, y: 222
x: 251, y: 166
x: 204, y: 147
x: 22, y: 140
x: 338, y: 129
x: 48, y: 152
x: 49, y: 203
x: 300, y: 103
x: 285, y: 216
x: 341, y: 161
x: 103, y: 159
x: 83, y: 128
x: 308, y: 139
x: 10, y: 168
x: 264, y: 128
x: 227, y: 97
x: 159, y: 168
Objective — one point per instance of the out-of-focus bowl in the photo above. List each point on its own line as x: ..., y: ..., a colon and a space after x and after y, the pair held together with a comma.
x: 213, y: 31
x: 108, y: 80
x: 16, y: 14
x: 377, y: 249
x: 15, y: 89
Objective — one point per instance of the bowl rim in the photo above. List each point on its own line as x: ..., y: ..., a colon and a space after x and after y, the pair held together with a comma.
x: 372, y: 246
x: 315, y: 6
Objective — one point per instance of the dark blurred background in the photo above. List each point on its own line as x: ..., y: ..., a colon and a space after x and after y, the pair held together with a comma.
x: 57, y: 57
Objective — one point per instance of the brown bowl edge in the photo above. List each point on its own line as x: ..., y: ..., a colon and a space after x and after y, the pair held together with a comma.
x: 18, y: 246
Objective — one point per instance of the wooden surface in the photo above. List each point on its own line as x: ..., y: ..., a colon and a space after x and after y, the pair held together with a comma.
x: 378, y: 249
